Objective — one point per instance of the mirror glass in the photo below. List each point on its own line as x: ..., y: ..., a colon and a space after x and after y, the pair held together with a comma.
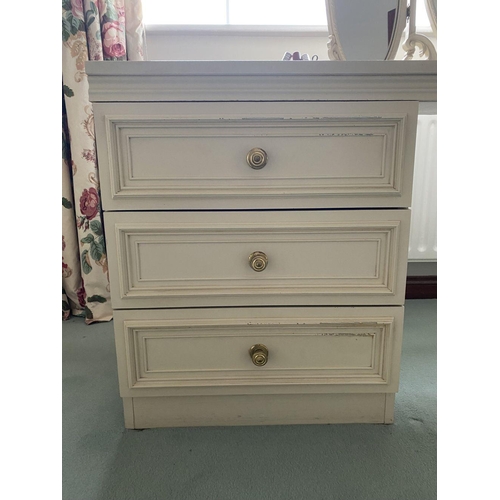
x: 364, y: 29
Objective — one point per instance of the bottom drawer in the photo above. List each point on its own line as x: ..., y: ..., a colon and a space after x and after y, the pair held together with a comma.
x: 206, y: 352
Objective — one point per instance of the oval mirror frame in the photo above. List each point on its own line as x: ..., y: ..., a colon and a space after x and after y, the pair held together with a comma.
x: 335, y: 51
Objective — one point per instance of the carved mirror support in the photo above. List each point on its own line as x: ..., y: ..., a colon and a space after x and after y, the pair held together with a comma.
x: 417, y: 40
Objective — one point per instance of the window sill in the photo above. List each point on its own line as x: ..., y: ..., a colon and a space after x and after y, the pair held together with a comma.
x: 235, y: 30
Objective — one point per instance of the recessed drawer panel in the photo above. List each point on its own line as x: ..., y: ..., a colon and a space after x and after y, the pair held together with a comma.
x: 351, y: 349
x: 174, y: 259
x: 247, y: 155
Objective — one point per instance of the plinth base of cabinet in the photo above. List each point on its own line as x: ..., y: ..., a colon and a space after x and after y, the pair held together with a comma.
x: 194, y: 411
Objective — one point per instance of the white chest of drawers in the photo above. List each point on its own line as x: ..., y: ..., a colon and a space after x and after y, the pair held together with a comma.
x: 257, y: 221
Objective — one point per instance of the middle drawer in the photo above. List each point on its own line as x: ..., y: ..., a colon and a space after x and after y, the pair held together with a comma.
x: 197, y: 259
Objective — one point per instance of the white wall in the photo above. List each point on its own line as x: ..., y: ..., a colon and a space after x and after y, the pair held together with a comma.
x: 232, y: 44
x: 237, y: 43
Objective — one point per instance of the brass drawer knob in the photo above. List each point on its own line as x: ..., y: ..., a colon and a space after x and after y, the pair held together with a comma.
x: 259, y: 354
x: 258, y: 261
x: 257, y: 158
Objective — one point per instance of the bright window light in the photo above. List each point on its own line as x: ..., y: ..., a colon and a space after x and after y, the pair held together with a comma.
x: 184, y: 12
x: 235, y: 12
x: 421, y: 17
x: 277, y: 12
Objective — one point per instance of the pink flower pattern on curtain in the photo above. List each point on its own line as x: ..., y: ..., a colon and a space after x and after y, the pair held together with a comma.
x: 96, y: 30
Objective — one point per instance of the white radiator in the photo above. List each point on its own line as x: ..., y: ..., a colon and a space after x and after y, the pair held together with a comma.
x: 423, y: 229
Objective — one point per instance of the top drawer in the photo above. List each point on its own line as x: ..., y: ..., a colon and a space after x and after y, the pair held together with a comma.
x: 195, y: 155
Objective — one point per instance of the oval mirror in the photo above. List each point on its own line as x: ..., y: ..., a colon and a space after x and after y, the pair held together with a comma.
x: 365, y: 30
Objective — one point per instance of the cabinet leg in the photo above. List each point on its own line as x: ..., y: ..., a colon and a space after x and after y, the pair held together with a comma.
x: 389, y: 408
x: 128, y: 413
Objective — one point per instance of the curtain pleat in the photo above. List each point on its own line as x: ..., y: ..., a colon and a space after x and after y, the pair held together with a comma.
x: 71, y: 275
x: 96, y: 30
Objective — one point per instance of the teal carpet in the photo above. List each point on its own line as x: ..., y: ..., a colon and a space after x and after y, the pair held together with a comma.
x: 103, y: 461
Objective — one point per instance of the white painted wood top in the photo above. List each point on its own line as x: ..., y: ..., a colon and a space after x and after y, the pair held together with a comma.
x: 262, y: 80
x: 183, y: 68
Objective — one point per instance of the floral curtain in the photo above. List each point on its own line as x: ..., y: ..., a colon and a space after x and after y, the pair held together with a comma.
x: 97, y: 30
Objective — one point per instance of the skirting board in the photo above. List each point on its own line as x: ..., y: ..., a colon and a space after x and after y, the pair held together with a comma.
x: 421, y: 287
x: 283, y: 409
